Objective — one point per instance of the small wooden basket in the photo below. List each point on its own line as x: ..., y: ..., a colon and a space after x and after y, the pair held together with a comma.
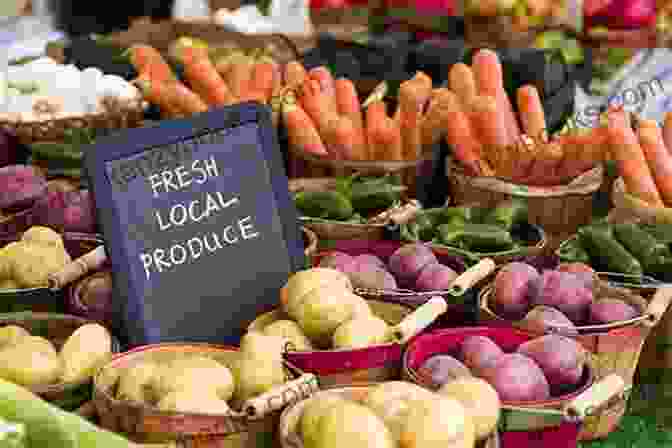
x: 363, y: 365
x: 560, y: 211
x: 558, y: 421
x: 615, y: 348
x: 253, y: 425
x: 290, y: 418
x: 628, y: 207
x: 56, y: 328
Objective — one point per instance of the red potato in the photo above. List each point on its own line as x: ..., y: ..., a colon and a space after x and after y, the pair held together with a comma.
x: 371, y: 260
x: 435, y: 277
x: 565, y: 292
x: 580, y: 270
x: 545, y: 319
x: 517, y: 378
x: 72, y: 211
x: 562, y: 360
x: 407, y: 262
x: 606, y: 311
x: 477, y: 352
x: 442, y: 369
x: 20, y: 186
x: 337, y: 260
x: 513, y: 290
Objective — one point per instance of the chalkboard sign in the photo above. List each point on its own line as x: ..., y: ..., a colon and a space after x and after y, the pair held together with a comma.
x: 198, y: 224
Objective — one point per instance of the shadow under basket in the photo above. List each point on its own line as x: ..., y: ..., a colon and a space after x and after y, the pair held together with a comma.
x: 253, y: 426
x: 44, y: 299
x: 289, y: 431
x: 615, y: 348
x: 554, y: 423
x: 56, y: 328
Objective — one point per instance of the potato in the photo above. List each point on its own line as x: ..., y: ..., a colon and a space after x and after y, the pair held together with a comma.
x: 67, y: 211
x: 337, y: 260
x: 514, y: 288
x: 322, y: 311
x: 43, y: 236
x: 32, y: 264
x: 313, y: 411
x: 442, y: 422
x: 291, y: 331
x: 360, y: 332
x: 606, y: 311
x: 198, y: 373
x: 562, y: 360
x: 9, y: 285
x: 371, y: 277
x: 581, y: 270
x: 435, y: 277
x: 193, y: 401
x: 20, y: 186
x: 86, y: 350
x: 517, y: 378
x: 407, y: 262
x: 545, y: 319
x: 11, y: 334
x: 442, y: 369
x: 565, y: 292
x: 370, y: 260
x: 479, y: 399
x: 256, y: 344
x: 479, y: 351
x: 136, y: 383
x: 303, y: 282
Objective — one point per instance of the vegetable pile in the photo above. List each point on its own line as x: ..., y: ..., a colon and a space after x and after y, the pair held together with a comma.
x: 412, y: 266
x: 355, y: 199
x: 556, y: 300
x: 632, y: 249
x: 539, y: 369
x: 474, y: 229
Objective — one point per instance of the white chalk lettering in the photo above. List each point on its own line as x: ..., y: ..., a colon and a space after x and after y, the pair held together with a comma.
x: 245, y: 226
x: 195, y: 253
x: 173, y: 257
x: 181, y: 177
x: 179, y: 214
x: 227, y: 237
x: 178, y: 219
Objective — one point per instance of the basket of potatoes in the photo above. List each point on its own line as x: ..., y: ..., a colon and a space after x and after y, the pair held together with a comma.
x: 53, y: 355
x: 200, y: 392
x: 28, y: 259
x: 385, y: 415
x: 338, y: 335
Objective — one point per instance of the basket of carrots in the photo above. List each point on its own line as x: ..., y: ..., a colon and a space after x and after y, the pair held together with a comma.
x: 642, y: 150
x: 330, y: 133
x: 497, y: 156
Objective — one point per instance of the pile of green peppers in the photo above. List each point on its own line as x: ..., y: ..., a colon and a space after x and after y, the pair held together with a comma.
x: 353, y: 200
x: 474, y: 229
x: 630, y: 249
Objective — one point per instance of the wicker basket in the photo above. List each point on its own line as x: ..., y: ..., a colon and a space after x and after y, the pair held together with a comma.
x: 364, y: 365
x: 45, y: 299
x: 615, y: 347
x: 253, y: 426
x: 117, y: 115
x: 56, y: 328
x: 628, y: 207
x: 310, y: 242
x: 556, y: 422
x: 290, y: 418
x: 18, y: 222
x: 496, y: 32
x: 560, y: 211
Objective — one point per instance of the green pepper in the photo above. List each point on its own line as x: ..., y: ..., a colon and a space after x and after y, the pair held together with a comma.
x: 642, y: 245
x: 423, y: 226
x: 475, y: 237
x: 661, y: 232
x: 508, y: 214
x: 603, y: 247
x: 451, y: 214
x: 373, y: 194
x: 324, y: 204
x: 572, y: 251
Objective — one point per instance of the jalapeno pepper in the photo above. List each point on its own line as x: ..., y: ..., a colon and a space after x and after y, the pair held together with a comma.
x: 642, y: 245
x: 603, y: 247
x: 508, y: 214
x: 572, y: 251
x: 475, y: 237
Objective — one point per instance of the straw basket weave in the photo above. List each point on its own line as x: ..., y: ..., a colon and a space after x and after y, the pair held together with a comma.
x: 560, y: 211
x: 253, y: 426
x: 496, y: 32
x: 56, y: 328
x: 116, y: 114
x: 614, y: 348
x: 290, y: 418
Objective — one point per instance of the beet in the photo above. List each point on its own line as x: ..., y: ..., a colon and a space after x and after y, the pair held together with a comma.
x: 407, y: 262
x: 435, y: 277
x: 562, y: 360
x: 442, y: 369
x: 20, y: 186
x: 545, y: 319
x: 565, y: 292
x: 477, y: 352
x: 606, y: 311
x: 517, y: 378
x: 513, y: 290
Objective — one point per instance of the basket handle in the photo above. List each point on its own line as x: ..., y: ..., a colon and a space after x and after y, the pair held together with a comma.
x: 469, y: 278
x: 78, y: 268
x: 658, y: 305
x: 595, y: 397
x: 280, y: 396
x: 420, y: 319
x: 405, y: 213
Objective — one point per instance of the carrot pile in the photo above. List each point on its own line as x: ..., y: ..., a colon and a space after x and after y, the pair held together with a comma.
x: 643, y: 156
x: 208, y: 85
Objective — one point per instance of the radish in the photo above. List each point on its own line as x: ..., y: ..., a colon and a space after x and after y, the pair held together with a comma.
x: 623, y: 14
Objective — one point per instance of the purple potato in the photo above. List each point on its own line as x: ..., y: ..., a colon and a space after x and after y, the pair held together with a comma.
x: 562, y: 359
x: 517, y: 378
x: 477, y: 352
x: 20, y: 186
x: 514, y: 287
x: 67, y: 211
x: 545, y: 319
x: 442, y: 369
x: 407, y: 262
x: 435, y: 277
x: 371, y: 260
x: 606, y: 311
x: 565, y: 292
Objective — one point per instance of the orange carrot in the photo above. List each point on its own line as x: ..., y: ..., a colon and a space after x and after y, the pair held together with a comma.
x: 238, y: 78
x: 344, y: 141
x: 261, y: 84
x: 435, y: 117
x: 631, y: 161
x: 490, y: 82
x: 301, y: 131
x: 466, y: 148
x: 383, y: 135
x: 347, y: 103
x: 149, y: 63
x: 531, y: 113
x: 462, y: 82
x: 175, y: 96
x: 413, y: 96
x: 294, y: 73
x: 151, y: 91
x: 327, y: 86
x: 489, y: 121
x: 667, y: 131
x: 315, y: 104
x: 204, y: 78
x: 658, y: 157
x: 583, y: 151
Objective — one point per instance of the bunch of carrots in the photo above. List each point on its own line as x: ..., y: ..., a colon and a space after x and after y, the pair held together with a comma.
x: 643, y: 156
